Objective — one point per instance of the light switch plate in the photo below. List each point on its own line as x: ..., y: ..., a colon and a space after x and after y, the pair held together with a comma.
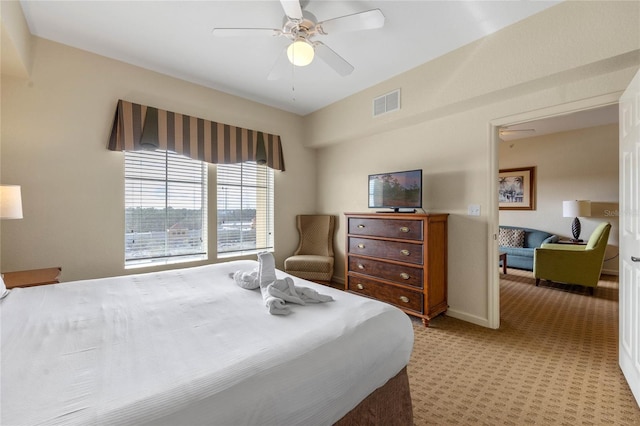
x: 473, y: 210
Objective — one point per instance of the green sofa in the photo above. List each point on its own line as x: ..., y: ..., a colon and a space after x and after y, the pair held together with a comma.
x: 573, y: 264
x: 522, y: 257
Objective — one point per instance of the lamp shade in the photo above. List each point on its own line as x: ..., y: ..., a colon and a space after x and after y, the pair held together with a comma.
x: 300, y: 52
x: 576, y: 208
x: 10, y: 202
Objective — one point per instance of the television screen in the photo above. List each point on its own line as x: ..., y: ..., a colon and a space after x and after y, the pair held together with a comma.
x: 396, y: 190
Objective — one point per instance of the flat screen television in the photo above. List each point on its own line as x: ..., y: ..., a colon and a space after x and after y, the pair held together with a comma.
x: 398, y: 191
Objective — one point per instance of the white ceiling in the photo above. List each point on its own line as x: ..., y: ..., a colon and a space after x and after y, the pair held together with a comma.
x: 561, y: 123
x: 175, y: 38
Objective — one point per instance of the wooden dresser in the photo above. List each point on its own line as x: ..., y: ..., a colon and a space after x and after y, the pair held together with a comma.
x: 399, y: 258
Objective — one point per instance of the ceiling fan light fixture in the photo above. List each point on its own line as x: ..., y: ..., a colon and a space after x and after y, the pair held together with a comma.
x: 300, y: 52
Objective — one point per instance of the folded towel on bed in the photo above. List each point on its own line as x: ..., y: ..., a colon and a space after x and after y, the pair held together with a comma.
x: 275, y: 305
x: 276, y: 292
x: 266, y: 277
x: 251, y: 281
x: 246, y: 280
x: 309, y: 295
x: 266, y: 268
x: 286, y: 290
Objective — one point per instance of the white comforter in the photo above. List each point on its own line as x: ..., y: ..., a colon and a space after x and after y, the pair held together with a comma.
x: 190, y: 347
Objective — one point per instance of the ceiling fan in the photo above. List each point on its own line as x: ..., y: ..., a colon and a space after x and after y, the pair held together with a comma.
x: 302, y: 28
x: 505, y: 131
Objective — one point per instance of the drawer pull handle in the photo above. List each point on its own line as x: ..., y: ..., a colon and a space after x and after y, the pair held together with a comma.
x: 361, y: 226
x: 405, y: 252
x: 405, y: 276
x: 360, y: 266
x: 404, y: 229
x: 360, y: 287
x: 360, y: 245
x: 405, y: 299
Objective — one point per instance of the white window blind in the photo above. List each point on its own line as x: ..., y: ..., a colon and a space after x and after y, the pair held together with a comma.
x: 165, y: 208
x: 245, y: 208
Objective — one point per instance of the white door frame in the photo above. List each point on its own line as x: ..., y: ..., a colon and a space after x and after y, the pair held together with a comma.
x: 493, y: 280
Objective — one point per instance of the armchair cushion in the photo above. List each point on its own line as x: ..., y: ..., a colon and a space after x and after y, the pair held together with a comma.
x: 304, y: 262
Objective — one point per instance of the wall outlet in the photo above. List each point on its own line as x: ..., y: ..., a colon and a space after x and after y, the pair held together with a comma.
x: 473, y: 210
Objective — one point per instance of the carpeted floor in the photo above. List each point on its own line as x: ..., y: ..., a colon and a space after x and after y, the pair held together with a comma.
x: 553, y: 361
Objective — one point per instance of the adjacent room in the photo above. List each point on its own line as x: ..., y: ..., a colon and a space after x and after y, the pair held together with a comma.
x: 332, y: 212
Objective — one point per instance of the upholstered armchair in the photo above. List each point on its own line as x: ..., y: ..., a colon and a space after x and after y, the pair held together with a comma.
x: 313, y: 259
x: 573, y: 264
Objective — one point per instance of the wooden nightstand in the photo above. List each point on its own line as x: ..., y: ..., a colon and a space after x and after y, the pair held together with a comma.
x: 32, y: 277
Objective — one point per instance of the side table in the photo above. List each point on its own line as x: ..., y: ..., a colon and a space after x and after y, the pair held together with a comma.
x: 575, y: 243
x: 503, y: 259
x: 32, y: 277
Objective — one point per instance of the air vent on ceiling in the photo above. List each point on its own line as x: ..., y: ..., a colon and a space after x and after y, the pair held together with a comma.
x: 386, y: 103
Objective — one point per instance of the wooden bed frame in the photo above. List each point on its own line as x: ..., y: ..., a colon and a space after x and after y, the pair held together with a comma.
x: 387, y: 405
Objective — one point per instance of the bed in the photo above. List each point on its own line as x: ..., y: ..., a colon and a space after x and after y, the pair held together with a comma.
x: 190, y: 347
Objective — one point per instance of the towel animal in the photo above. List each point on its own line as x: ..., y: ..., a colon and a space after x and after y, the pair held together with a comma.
x: 266, y: 276
x: 246, y: 280
x: 276, y: 292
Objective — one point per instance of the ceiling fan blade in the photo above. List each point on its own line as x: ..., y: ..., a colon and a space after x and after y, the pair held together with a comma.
x: 509, y: 131
x: 292, y: 9
x: 367, y: 20
x: 245, y: 32
x: 280, y: 67
x: 332, y: 59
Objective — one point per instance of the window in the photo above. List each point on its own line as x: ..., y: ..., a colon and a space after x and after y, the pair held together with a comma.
x: 165, y: 208
x: 245, y: 208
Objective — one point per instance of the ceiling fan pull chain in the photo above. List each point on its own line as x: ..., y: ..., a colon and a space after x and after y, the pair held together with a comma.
x: 293, y: 83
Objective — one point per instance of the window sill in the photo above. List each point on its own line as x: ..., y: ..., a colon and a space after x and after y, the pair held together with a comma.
x: 147, y: 263
x: 242, y: 253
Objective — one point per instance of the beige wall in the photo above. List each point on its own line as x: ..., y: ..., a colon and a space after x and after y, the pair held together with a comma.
x: 573, y: 52
x: 574, y: 165
x: 571, y: 41
x: 55, y: 127
x: 15, y: 40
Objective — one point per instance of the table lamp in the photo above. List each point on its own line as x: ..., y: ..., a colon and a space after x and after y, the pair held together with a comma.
x: 10, y: 202
x: 574, y: 209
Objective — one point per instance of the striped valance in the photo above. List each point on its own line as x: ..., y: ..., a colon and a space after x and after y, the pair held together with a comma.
x: 139, y: 127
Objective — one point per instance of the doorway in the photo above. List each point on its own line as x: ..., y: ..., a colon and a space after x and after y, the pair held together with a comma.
x: 549, y: 118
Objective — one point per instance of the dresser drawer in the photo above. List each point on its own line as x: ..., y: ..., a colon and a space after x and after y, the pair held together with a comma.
x: 401, y: 229
x: 403, y: 298
x: 404, y: 252
x: 402, y: 274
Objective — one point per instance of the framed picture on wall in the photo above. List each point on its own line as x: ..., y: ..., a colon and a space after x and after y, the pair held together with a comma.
x: 516, y: 189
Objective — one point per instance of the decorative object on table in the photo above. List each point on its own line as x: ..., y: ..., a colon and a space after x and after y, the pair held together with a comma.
x: 10, y: 202
x: 575, y: 208
x: 516, y: 189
